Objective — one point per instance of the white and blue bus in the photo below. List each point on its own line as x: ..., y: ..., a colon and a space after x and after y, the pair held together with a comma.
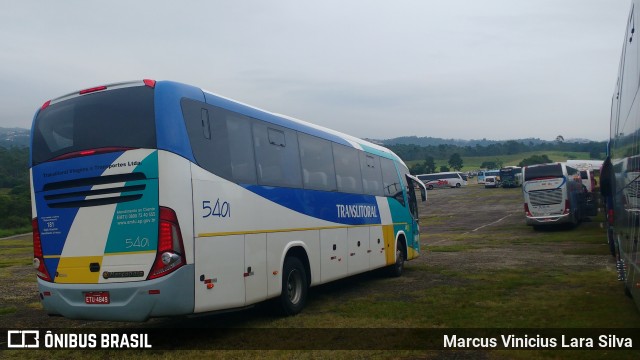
x: 481, y: 176
x: 510, y: 176
x: 620, y: 174
x: 553, y: 194
x: 158, y: 198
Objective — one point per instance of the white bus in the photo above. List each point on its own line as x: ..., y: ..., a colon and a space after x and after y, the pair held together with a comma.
x: 158, y: 198
x: 589, y: 170
x: 492, y: 178
x: 443, y: 179
x: 620, y: 175
x: 553, y: 194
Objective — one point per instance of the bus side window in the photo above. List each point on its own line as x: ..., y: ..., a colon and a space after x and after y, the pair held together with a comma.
x: 209, y: 154
x: 277, y: 156
x: 391, y: 181
x: 243, y: 164
x: 318, y: 170
x: 206, y: 130
x: 347, y: 165
x: 371, y: 174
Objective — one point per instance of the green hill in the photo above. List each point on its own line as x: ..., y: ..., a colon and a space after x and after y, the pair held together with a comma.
x: 473, y: 162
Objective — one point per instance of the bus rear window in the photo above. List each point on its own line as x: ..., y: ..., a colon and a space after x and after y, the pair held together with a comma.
x: 543, y: 171
x: 114, y: 118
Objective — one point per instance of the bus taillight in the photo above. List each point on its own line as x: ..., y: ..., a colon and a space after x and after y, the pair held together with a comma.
x: 610, y: 216
x: 170, y: 254
x: 38, y: 258
x: 89, y: 152
x: 91, y: 90
x: 150, y: 83
x: 526, y: 210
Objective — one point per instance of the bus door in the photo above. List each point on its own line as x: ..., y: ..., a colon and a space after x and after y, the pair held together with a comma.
x: 414, y: 182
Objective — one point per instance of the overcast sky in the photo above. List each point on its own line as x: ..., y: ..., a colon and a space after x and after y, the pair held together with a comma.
x: 465, y: 69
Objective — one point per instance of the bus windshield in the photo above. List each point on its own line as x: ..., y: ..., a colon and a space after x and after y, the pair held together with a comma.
x: 115, y: 118
x: 543, y: 171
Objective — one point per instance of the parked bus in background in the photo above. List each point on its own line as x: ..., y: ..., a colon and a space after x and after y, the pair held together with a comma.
x: 443, y: 179
x: 620, y: 177
x: 492, y: 178
x: 511, y: 176
x: 480, y: 178
x: 552, y: 194
x: 588, y: 179
x: 589, y: 171
x: 158, y: 198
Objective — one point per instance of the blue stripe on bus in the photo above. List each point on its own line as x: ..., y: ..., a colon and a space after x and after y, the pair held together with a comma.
x: 54, y: 224
x: 348, y: 209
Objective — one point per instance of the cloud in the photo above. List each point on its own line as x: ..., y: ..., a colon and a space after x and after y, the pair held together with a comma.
x: 489, y: 69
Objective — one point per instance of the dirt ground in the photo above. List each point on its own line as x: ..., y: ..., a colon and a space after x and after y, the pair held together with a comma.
x: 461, y: 217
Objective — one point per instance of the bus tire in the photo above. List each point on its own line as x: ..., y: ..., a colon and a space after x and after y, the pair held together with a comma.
x: 294, y: 286
x: 430, y: 187
x: 458, y: 185
x: 397, y: 269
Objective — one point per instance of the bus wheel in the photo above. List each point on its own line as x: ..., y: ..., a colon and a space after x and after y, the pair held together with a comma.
x: 458, y: 185
x: 396, y: 269
x: 294, y: 286
x: 430, y: 187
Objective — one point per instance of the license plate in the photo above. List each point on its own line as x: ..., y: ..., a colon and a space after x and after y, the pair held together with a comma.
x: 97, y: 297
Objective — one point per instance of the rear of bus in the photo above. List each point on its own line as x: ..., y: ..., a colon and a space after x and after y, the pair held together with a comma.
x: 547, y: 199
x: 104, y: 246
x: 480, y: 178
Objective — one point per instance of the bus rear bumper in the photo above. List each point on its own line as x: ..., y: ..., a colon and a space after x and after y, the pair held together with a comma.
x: 131, y: 301
x: 548, y: 220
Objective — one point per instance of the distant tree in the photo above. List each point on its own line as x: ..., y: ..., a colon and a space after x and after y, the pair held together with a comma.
x: 515, y: 147
x: 417, y: 168
x: 535, y: 159
x: 429, y: 165
x: 15, y: 205
x: 444, y: 168
x: 489, y: 165
x: 455, y: 161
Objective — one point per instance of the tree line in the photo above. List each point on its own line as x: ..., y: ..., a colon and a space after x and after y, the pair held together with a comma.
x: 445, y: 151
x: 15, y: 196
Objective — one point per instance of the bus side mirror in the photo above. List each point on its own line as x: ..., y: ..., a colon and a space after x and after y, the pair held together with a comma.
x: 423, y: 194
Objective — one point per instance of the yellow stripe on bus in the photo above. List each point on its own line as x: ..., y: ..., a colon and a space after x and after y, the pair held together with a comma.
x: 131, y: 253
x: 388, y: 234
x: 295, y: 229
x: 77, y: 270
